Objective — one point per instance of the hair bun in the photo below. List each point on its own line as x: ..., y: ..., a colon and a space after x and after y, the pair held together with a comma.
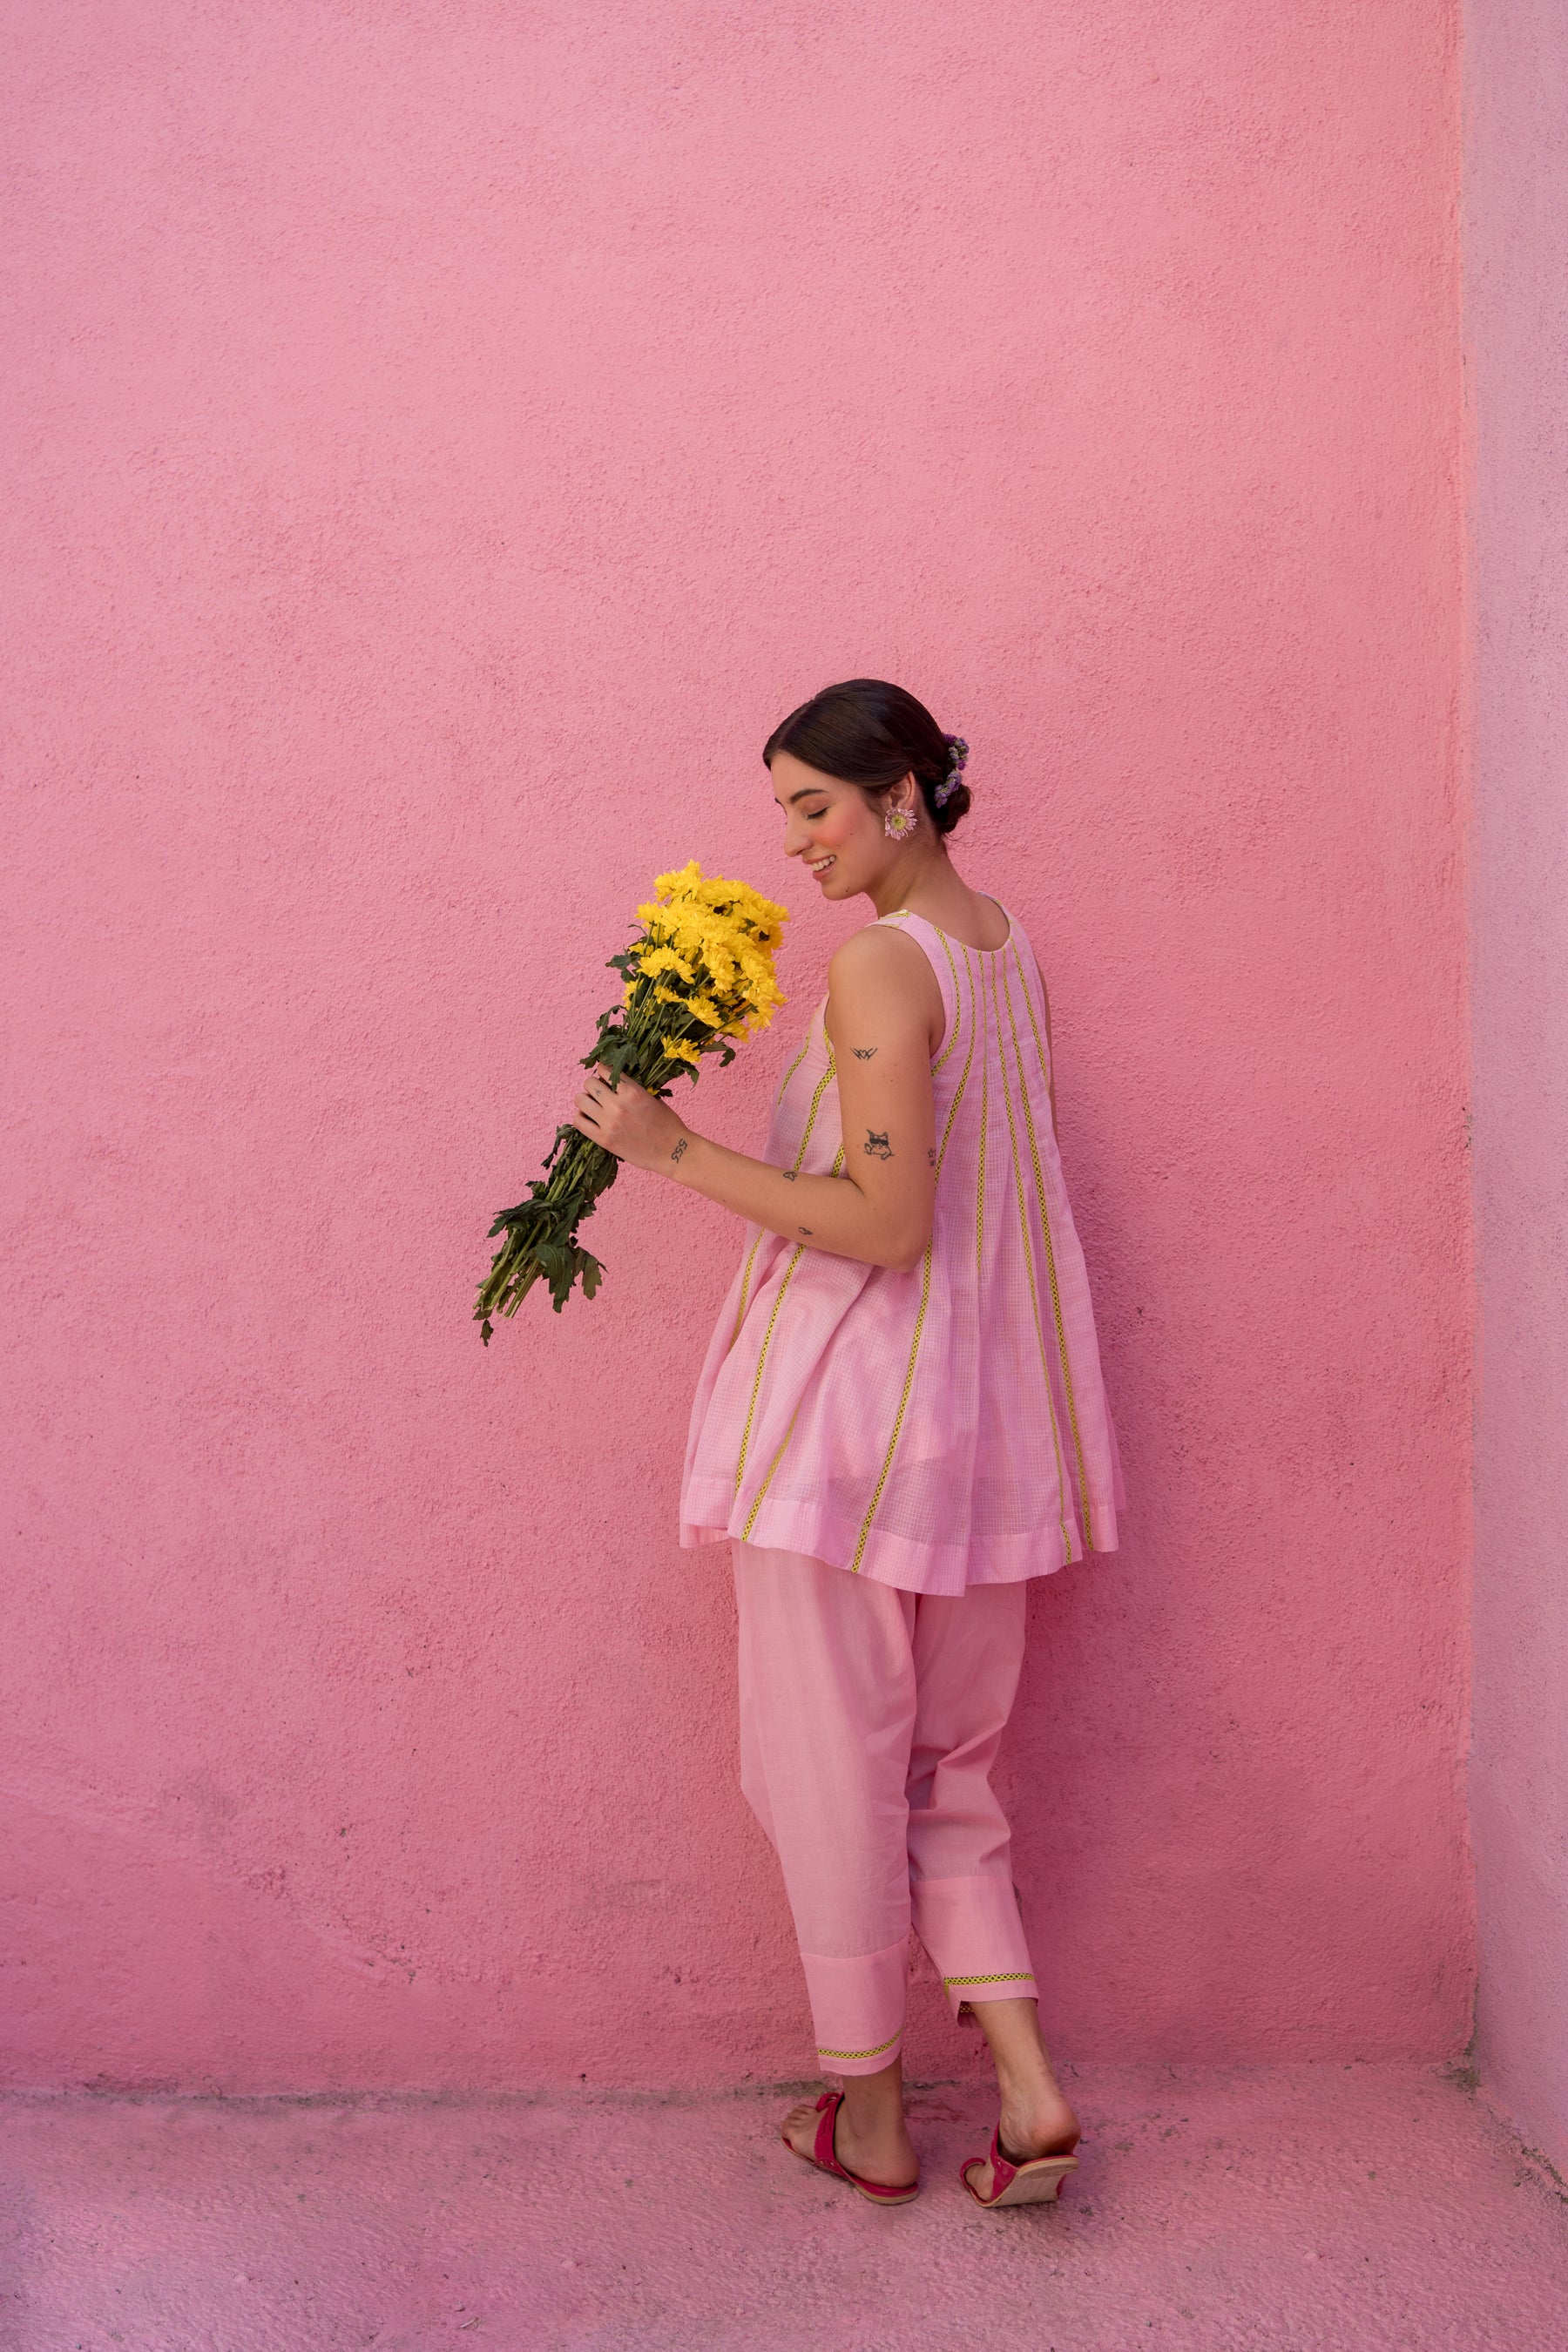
x: 957, y: 753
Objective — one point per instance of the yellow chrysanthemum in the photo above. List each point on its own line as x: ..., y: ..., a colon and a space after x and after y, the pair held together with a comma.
x: 682, y: 1049
x: 735, y: 902
x: 717, y: 937
x: 662, y: 958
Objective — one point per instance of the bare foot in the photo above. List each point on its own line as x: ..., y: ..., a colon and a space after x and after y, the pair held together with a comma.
x: 882, y: 2152
x: 1039, y: 2123
x: 1037, y: 2118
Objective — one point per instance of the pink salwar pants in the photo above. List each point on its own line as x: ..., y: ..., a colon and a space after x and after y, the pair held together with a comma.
x: 870, y: 1722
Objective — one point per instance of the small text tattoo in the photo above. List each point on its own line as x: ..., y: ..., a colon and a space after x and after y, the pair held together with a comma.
x: 679, y: 1148
x: 862, y: 1052
x: 877, y: 1147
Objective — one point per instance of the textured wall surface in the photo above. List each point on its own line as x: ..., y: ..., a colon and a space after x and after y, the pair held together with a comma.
x: 1516, y: 330
x: 444, y: 443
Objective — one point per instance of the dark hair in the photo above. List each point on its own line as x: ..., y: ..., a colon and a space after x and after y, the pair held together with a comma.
x: 870, y: 734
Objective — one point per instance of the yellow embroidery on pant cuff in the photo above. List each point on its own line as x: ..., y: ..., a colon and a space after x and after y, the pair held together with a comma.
x: 860, y: 2053
x: 1003, y: 1976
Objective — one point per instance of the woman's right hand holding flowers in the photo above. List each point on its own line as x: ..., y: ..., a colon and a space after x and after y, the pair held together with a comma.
x: 627, y: 1121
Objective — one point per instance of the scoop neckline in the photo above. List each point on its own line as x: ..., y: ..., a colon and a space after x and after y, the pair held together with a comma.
x: 967, y: 945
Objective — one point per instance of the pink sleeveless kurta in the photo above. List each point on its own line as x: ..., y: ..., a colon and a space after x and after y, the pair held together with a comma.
x: 937, y: 1428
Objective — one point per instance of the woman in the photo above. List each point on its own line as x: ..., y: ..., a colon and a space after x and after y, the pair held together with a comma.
x: 900, y: 1419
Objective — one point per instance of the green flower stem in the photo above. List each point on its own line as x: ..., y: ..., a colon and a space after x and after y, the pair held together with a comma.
x: 541, y: 1231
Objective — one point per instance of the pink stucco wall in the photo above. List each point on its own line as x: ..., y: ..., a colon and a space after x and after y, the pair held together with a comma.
x: 1516, y: 333
x: 444, y: 442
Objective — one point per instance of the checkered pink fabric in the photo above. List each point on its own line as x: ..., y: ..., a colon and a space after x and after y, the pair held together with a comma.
x: 942, y: 1427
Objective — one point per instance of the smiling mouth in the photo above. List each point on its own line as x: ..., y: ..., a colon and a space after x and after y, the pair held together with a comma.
x: 819, y: 866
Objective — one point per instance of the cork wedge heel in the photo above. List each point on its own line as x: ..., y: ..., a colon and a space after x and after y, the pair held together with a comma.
x: 1037, y: 2182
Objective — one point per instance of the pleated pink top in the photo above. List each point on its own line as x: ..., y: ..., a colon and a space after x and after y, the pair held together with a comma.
x: 943, y: 1426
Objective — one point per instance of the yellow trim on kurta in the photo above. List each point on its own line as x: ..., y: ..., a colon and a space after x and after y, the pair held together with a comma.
x: 957, y: 1004
x: 984, y: 1123
x: 767, y: 1482
x: 822, y: 1086
x: 903, y: 1406
x: 800, y: 1155
x: 963, y: 1081
x: 805, y: 1050
x: 799, y: 1253
x: 1067, y: 1550
x: 756, y: 1246
x: 953, y: 971
x: 1050, y: 1253
x: 789, y: 1432
x: 746, y: 1285
x: 796, y: 1255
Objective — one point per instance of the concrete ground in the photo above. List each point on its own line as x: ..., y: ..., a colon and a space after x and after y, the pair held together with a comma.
x: 1347, y: 2207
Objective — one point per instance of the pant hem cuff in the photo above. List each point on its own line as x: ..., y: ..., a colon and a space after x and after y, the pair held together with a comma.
x: 862, y: 2061
x: 857, y: 2001
x: 1010, y: 1984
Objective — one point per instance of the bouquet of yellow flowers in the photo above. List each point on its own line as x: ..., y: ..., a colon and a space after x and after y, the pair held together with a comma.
x: 700, y: 972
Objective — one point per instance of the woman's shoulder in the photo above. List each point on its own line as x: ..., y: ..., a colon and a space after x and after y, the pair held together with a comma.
x: 879, y: 949
x: 884, y: 975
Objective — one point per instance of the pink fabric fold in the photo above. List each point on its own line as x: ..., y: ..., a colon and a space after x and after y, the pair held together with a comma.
x: 937, y: 1428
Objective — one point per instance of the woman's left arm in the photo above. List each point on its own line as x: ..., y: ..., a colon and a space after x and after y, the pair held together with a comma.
x: 879, y: 1001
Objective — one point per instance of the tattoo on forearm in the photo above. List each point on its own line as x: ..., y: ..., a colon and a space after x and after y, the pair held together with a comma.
x: 681, y: 1146
x: 862, y: 1052
x: 877, y: 1147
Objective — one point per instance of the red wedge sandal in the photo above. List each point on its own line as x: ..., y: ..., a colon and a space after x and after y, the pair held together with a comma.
x: 1035, y: 2182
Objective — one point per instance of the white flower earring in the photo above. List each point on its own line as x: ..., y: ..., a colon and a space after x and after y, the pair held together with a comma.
x: 898, y: 823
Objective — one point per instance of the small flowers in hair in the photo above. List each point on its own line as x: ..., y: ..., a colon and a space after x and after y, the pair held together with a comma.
x: 957, y: 753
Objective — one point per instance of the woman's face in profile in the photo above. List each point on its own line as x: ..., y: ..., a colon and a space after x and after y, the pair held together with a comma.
x: 831, y: 827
